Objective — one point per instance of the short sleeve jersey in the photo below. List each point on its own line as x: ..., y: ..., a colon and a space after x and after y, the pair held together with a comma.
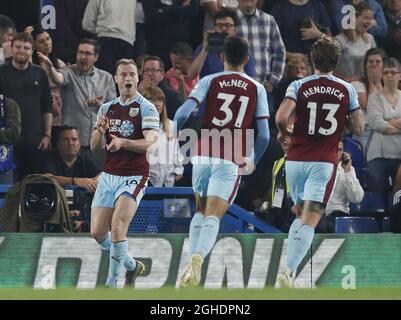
x: 322, y: 104
x: 233, y: 102
x: 128, y: 121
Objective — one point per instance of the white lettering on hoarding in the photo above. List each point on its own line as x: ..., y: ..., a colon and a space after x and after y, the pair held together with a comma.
x: 54, y: 248
x: 226, y: 258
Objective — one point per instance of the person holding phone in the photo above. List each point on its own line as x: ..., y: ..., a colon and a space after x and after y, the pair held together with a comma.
x: 347, y: 189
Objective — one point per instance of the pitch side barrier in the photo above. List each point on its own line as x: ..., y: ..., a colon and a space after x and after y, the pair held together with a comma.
x: 169, y: 210
x: 47, y: 261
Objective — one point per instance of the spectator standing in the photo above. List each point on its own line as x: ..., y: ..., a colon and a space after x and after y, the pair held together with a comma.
x: 309, y: 21
x: 392, y: 41
x: 168, y: 22
x: 384, y: 116
x: 83, y: 89
x: 355, y: 43
x: 28, y: 85
x: 113, y: 22
x: 44, y: 44
x: 379, y: 27
x: 211, y: 7
x: 369, y: 83
x: 265, y: 44
x: 69, y: 32
x: 207, y: 58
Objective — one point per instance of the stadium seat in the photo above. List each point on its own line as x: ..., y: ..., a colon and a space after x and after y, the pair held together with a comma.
x: 386, y: 224
x: 355, y: 148
x: 356, y: 225
x: 372, y: 202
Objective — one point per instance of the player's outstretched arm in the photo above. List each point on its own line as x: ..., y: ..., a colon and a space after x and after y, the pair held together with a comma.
x: 183, y: 113
x: 356, y: 123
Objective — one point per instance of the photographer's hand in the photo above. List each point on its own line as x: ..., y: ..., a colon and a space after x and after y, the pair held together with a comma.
x: 197, y: 64
x: 205, y: 39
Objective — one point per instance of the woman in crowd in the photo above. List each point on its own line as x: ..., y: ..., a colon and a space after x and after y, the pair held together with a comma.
x: 355, y: 43
x: 165, y: 159
x: 384, y: 117
x: 370, y: 82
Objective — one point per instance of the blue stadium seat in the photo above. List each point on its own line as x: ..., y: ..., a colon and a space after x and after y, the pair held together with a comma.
x: 372, y: 202
x: 356, y: 225
x: 355, y: 148
x: 386, y: 224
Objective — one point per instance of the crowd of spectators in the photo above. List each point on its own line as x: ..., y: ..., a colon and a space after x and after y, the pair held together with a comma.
x: 54, y: 81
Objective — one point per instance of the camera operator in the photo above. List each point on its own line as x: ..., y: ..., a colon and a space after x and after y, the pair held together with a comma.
x: 68, y: 167
x: 207, y: 55
x: 347, y: 189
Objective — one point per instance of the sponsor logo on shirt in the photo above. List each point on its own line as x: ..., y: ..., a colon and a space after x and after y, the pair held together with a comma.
x: 151, y: 121
x: 127, y: 128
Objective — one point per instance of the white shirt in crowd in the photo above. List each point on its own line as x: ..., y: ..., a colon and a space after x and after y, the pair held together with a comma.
x: 165, y: 160
x: 114, y: 19
x: 347, y: 189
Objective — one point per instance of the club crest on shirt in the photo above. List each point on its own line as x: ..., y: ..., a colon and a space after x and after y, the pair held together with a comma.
x: 127, y: 128
x: 133, y: 112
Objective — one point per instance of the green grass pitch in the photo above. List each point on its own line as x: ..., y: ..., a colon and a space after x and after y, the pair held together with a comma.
x: 167, y: 293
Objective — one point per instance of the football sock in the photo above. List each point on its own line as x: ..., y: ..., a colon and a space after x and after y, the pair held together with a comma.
x: 301, y: 242
x: 294, y: 227
x: 194, y: 232
x: 208, y: 235
x: 118, y: 251
x: 129, y: 262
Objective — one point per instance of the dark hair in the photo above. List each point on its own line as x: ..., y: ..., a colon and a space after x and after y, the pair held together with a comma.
x: 6, y: 23
x: 392, y: 63
x: 361, y: 7
x: 224, y: 13
x: 65, y: 128
x: 92, y: 42
x: 235, y: 50
x: 371, y: 52
x: 325, y: 54
x: 22, y: 36
x: 182, y: 48
x: 154, y: 58
x: 37, y: 30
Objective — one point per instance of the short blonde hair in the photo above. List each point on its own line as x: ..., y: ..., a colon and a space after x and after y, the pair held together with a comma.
x: 125, y: 62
